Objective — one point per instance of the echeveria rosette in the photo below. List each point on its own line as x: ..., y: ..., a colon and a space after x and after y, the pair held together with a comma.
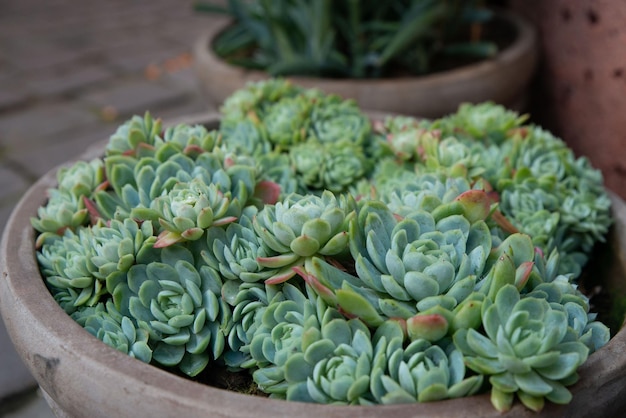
x: 423, y: 192
x: 135, y: 136
x: 334, y: 120
x: 62, y: 211
x: 526, y: 350
x: 334, y: 365
x: 190, y: 139
x: 583, y: 326
x: 254, y: 99
x: 486, y: 122
x: 181, y: 308
x: 287, y: 121
x: 66, y: 263
x: 234, y: 251
x: 299, y: 227
x: 421, y: 372
x: 83, y: 267
x: 432, y: 152
x: 424, y: 255
x: 104, y: 322
x: 248, y: 301
x: 329, y: 166
x: 246, y: 137
x: 188, y: 210
x: 67, y: 205
x: 118, y: 246
x: 290, y: 321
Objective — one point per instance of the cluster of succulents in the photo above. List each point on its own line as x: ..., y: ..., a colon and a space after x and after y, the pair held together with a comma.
x: 337, y: 259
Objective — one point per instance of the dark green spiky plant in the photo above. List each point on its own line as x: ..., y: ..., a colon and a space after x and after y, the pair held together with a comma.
x: 335, y: 260
x: 350, y: 38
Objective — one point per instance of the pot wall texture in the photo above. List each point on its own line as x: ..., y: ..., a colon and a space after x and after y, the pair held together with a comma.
x: 581, y: 89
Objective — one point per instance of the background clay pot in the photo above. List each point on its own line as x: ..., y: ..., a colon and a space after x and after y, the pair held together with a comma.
x: 83, y: 377
x: 503, y: 79
x: 580, y: 93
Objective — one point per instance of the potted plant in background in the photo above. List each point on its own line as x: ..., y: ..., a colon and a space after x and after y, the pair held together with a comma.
x: 302, y: 251
x: 395, y: 57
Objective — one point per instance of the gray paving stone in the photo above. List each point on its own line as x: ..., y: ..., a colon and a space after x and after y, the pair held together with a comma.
x: 12, y: 95
x: 68, y: 80
x: 135, y: 97
x: 32, y: 405
x: 15, y: 377
x: 133, y: 57
x: 50, y: 155
x: 11, y: 182
x: 41, y: 55
x: 28, y: 129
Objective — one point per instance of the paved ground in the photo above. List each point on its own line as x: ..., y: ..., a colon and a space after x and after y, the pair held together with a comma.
x: 70, y: 72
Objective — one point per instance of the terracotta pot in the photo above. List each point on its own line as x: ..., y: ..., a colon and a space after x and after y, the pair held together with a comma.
x: 83, y: 377
x: 503, y: 79
x: 582, y: 79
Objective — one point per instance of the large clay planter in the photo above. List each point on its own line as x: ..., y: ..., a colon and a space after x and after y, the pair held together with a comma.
x: 83, y: 377
x: 503, y: 79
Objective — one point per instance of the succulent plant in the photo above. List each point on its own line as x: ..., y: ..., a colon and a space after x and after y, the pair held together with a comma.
x: 301, y: 227
x: 421, y: 372
x: 539, y: 185
x: 67, y: 206
x: 188, y: 210
x: 115, y: 330
x: 66, y: 263
x: 181, y: 308
x: 254, y: 99
x: 525, y: 351
x: 235, y: 250
x: 133, y: 135
x: 336, y: 260
x: 350, y: 39
x: 421, y: 269
x: 328, y: 166
x: 287, y: 121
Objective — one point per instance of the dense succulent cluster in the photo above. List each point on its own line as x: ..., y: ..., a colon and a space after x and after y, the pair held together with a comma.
x: 337, y: 260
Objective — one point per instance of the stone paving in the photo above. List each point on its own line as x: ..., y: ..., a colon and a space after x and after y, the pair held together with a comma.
x: 71, y: 71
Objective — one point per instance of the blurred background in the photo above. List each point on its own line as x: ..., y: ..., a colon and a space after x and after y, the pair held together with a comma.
x: 71, y: 71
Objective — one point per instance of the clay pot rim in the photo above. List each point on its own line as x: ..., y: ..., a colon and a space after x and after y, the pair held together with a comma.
x: 523, y: 44
x: 24, y: 297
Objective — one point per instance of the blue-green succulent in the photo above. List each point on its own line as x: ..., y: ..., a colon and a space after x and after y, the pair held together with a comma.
x: 331, y: 258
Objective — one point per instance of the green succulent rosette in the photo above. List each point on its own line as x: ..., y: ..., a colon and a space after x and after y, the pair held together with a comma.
x: 287, y: 121
x: 420, y: 372
x: 246, y: 137
x: 247, y: 301
x: 234, y: 251
x: 526, y: 350
x: 66, y: 263
x: 188, y: 210
x: 334, y: 119
x: 68, y: 205
x: 486, y: 122
x: 329, y: 166
x: 299, y: 228
x: 82, y: 267
x: 133, y: 135
x: 181, y: 308
x: 115, y: 330
x: 255, y: 98
x: 424, y: 258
